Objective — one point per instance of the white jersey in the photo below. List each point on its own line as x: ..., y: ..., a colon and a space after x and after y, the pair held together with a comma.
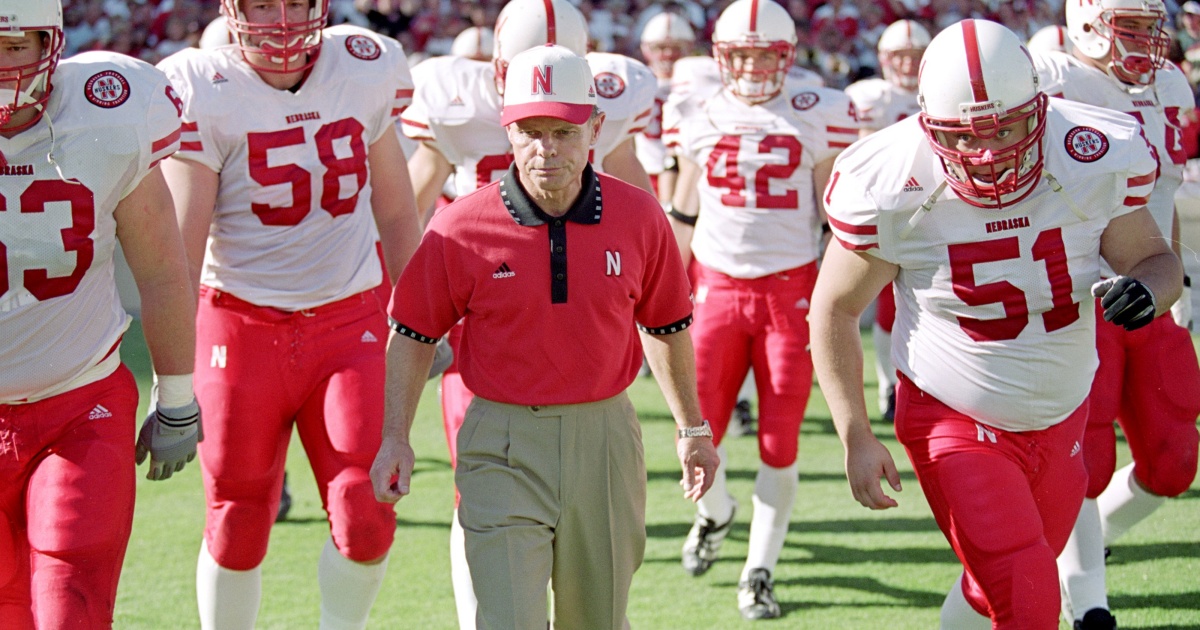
x: 651, y: 151
x: 1160, y: 108
x: 758, y: 209
x: 881, y: 103
x: 114, y: 119
x: 456, y: 109
x: 994, y: 315
x: 293, y: 226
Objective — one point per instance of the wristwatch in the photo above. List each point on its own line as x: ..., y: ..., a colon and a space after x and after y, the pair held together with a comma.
x: 704, y: 430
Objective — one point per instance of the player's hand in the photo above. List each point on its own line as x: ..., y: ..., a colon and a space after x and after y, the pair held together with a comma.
x: 391, y: 472
x: 699, y: 460
x: 1181, y: 310
x: 443, y: 356
x: 169, y: 436
x: 867, y: 462
x: 1126, y: 301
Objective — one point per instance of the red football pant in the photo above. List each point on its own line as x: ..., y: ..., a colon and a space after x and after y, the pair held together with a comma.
x: 259, y: 371
x: 1005, y: 501
x: 762, y: 323
x: 885, y: 309
x: 66, y: 504
x: 1149, y: 382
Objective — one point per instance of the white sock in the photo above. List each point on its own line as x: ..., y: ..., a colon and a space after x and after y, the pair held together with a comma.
x: 460, y: 577
x: 958, y: 614
x: 716, y: 504
x: 774, y: 494
x: 885, y: 373
x: 1081, y: 565
x: 228, y: 599
x: 1124, y: 503
x: 348, y: 589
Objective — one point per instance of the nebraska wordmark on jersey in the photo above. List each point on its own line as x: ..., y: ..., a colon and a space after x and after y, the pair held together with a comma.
x: 457, y: 110
x: 758, y: 212
x: 881, y: 103
x: 1160, y: 108
x: 114, y: 119
x: 994, y: 313
x: 293, y: 211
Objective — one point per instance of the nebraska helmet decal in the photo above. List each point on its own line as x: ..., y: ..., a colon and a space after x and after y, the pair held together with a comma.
x: 107, y: 89
x: 609, y: 85
x: 1086, y: 144
x: 805, y: 100
x: 363, y: 47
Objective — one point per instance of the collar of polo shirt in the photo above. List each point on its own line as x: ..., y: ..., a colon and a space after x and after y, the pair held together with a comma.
x: 585, y: 210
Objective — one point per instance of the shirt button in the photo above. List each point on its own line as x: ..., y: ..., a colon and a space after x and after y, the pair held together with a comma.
x: 558, y: 223
x: 558, y: 276
x: 536, y: 408
x: 558, y: 249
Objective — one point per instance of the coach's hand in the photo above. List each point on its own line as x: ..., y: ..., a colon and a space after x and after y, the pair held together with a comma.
x: 699, y: 459
x: 867, y: 462
x: 169, y: 436
x: 1126, y: 301
x: 391, y: 472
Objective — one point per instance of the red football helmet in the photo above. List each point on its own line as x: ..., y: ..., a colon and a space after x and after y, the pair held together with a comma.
x: 30, y: 82
x: 289, y: 46
x: 746, y: 27
x: 977, y: 78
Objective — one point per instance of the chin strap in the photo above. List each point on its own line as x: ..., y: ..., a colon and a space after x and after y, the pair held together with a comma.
x: 1057, y: 187
x: 925, y: 207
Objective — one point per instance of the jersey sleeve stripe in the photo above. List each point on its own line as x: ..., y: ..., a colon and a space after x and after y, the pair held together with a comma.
x: 855, y: 247
x: 645, y: 114
x: 191, y: 146
x: 165, y: 141
x: 1136, y: 202
x: 848, y: 130
x: 404, y: 93
x: 1134, y: 182
x: 637, y: 130
x: 412, y: 123
x: 396, y: 111
x: 839, y: 145
x: 190, y: 126
x: 861, y: 230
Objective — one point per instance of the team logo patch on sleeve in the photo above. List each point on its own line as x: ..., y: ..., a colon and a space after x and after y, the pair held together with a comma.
x: 609, y: 85
x: 805, y: 100
x: 363, y: 47
x: 1086, y: 144
x: 107, y: 89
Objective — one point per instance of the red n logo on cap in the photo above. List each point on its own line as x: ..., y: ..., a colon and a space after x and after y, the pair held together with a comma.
x: 543, y: 80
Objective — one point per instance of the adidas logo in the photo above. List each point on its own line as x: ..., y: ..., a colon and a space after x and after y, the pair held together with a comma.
x: 217, y: 78
x: 98, y: 412
x: 456, y: 101
x: 369, y: 338
x: 503, y: 271
x: 912, y: 186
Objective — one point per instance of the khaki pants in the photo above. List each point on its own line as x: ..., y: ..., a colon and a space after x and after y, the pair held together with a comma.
x: 552, y: 493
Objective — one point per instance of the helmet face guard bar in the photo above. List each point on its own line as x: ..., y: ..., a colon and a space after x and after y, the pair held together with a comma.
x: 1005, y: 187
x: 290, y: 46
x: 1137, y: 66
x: 759, y: 84
x: 35, y: 77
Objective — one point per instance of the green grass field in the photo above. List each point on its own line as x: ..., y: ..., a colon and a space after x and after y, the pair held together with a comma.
x: 842, y: 567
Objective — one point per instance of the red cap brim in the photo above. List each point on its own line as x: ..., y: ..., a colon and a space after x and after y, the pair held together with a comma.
x: 575, y: 114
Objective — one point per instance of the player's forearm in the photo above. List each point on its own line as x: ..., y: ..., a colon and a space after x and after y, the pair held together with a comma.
x: 408, y: 364
x: 168, y: 323
x: 838, y: 362
x: 1163, y: 275
x: 673, y: 361
x: 400, y: 234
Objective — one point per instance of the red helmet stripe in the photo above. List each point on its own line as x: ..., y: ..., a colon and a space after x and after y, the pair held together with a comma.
x: 551, y: 36
x: 974, y: 67
x: 753, y: 16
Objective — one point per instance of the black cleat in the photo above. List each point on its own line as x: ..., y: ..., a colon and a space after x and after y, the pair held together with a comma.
x: 889, y: 414
x: 703, y: 542
x: 285, y: 501
x: 743, y: 419
x: 756, y: 596
x: 1096, y: 619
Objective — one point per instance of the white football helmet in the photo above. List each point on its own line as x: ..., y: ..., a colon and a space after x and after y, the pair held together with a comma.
x: 754, y: 25
x: 977, y: 77
x: 1132, y: 55
x: 523, y: 24
x: 897, y: 58
x: 1051, y: 38
x: 290, y: 46
x: 473, y: 43
x: 666, y: 38
x: 29, y: 85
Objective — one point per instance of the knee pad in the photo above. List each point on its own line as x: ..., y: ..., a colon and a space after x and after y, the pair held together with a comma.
x: 239, y: 520
x: 362, y: 527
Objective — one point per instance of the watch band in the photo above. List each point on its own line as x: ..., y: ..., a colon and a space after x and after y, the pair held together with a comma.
x: 704, y: 430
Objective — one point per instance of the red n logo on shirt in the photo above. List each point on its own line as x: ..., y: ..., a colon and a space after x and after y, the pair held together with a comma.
x: 543, y: 80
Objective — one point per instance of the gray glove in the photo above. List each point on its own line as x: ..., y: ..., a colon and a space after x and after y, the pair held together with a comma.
x: 169, y: 436
x: 1126, y: 301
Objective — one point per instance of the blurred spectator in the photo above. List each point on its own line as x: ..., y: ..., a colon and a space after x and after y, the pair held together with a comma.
x: 1189, y: 41
x: 838, y: 14
x: 86, y: 27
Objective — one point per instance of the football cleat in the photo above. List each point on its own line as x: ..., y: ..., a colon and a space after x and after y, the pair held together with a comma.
x: 703, y: 542
x: 889, y: 414
x: 285, y: 501
x: 743, y: 417
x: 1096, y: 619
x: 756, y: 596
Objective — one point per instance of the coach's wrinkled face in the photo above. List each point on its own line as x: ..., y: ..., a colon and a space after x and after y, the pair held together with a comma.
x: 551, y: 153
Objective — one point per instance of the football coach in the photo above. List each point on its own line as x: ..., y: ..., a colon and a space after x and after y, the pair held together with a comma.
x: 556, y: 271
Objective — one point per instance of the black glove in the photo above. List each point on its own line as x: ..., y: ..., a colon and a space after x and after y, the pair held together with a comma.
x: 1126, y: 301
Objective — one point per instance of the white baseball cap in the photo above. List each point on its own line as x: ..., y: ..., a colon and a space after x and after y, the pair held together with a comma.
x: 548, y: 81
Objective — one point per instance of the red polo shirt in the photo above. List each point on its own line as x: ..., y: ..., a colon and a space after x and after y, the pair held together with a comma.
x: 550, y: 306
